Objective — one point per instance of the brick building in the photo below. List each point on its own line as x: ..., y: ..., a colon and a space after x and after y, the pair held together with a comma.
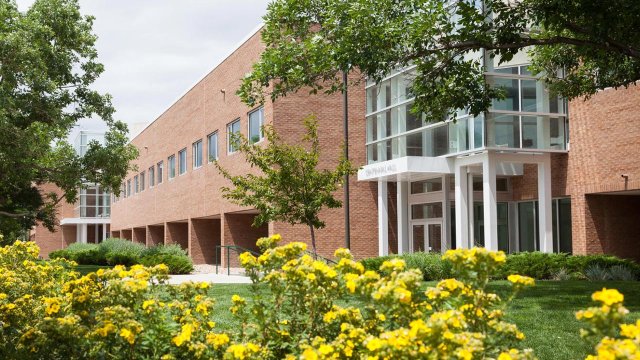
x: 87, y: 220
x: 514, y: 178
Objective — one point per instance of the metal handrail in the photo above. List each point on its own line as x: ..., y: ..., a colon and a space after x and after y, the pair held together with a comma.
x: 320, y: 257
x: 236, y: 248
x: 240, y: 250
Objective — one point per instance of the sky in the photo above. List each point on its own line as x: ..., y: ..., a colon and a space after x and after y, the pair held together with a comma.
x: 155, y: 50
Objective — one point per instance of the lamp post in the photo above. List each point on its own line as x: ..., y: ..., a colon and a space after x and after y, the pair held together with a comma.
x: 345, y: 105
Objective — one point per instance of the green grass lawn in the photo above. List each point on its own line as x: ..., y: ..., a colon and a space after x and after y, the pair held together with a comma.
x: 85, y: 269
x: 544, y: 313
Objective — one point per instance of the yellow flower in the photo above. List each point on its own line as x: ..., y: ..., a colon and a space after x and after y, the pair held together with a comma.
x: 53, y: 305
x: 309, y: 354
x: 128, y: 335
x: 184, y: 336
x: 147, y: 304
x: 217, y: 340
x: 608, y: 296
x: 374, y: 344
x: 311, y: 277
x: 521, y: 280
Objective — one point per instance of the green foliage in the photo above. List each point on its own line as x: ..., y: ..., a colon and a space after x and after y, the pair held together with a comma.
x: 114, y: 251
x: 310, y: 42
x: 432, y: 266
x: 121, y: 251
x: 171, y: 255
x: 291, y: 188
x: 83, y: 254
x: 537, y: 265
x: 177, y: 264
x: 48, y: 63
x: 597, y: 273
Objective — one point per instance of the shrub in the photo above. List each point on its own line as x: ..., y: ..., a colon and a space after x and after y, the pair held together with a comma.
x: 293, y: 311
x: 562, y: 275
x: 177, y: 264
x: 621, y: 273
x: 617, y: 340
x: 597, y: 273
x: 121, y: 251
x: 171, y: 249
x: 83, y: 254
x: 533, y: 264
x: 432, y: 266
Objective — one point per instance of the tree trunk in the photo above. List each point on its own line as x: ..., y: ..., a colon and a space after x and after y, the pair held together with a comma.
x: 313, y: 243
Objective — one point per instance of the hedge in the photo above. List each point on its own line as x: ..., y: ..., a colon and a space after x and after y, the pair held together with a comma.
x: 114, y: 251
x: 541, y: 266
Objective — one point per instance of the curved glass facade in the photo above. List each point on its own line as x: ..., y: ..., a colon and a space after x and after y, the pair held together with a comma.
x: 527, y: 118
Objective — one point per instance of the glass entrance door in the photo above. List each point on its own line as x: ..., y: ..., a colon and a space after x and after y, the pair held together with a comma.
x: 426, y: 236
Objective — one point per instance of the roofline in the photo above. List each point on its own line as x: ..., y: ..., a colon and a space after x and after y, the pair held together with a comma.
x: 234, y: 49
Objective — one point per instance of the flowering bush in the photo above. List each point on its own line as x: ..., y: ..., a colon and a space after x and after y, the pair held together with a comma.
x: 300, y: 308
x: 49, y: 312
x: 617, y: 340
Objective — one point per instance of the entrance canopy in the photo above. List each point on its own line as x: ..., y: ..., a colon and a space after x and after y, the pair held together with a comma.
x: 408, y: 168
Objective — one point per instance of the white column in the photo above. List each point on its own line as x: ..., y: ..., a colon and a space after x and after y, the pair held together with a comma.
x: 545, y: 224
x: 403, y: 217
x: 490, y: 205
x: 446, y: 214
x: 462, y: 207
x: 81, y: 233
x: 383, y: 217
x: 104, y: 231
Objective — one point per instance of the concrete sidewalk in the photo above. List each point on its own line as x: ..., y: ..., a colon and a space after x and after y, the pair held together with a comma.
x: 210, y: 278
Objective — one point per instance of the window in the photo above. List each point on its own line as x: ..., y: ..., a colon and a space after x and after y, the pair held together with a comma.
x: 424, y: 186
x: 128, y: 187
x: 123, y: 190
x: 426, y: 211
x: 152, y: 177
x: 160, y: 172
x: 172, y: 166
x: 143, y: 177
x: 232, y: 128
x: 212, y: 146
x: 256, y: 120
x: 182, y: 161
x: 93, y: 202
x: 197, y: 154
x: 136, y: 184
x: 502, y: 184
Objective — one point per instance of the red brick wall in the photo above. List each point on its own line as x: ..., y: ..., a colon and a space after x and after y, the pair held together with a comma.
x: 204, y: 237
x: 177, y: 233
x: 155, y: 235
x: 288, y: 115
x: 239, y: 231
x: 62, y: 236
x: 605, y: 138
x: 140, y: 235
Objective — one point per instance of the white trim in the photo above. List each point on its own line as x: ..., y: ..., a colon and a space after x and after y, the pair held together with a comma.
x: 78, y: 220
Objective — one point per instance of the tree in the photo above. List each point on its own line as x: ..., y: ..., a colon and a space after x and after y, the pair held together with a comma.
x: 291, y: 188
x: 595, y: 44
x: 48, y: 62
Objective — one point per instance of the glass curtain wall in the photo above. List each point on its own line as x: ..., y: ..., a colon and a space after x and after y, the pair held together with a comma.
x: 94, y: 202
x: 395, y: 131
x: 529, y: 117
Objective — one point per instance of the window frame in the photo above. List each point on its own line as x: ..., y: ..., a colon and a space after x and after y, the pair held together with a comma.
x: 160, y: 173
x: 209, y: 137
x: 231, y: 150
x: 152, y: 176
x: 136, y: 184
x: 194, y: 154
x: 171, y: 162
x: 259, y: 110
x: 180, y: 161
x: 143, y: 176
